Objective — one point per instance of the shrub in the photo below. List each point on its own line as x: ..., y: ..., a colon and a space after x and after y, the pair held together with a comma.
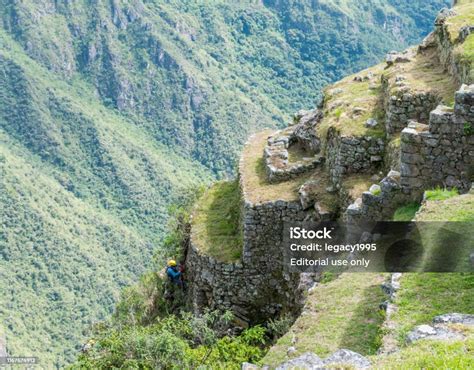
x: 173, y: 343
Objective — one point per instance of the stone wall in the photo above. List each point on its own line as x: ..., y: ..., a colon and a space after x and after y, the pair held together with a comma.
x: 256, y: 287
x: 303, y: 135
x: 403, y: 106
x: 347, y: 155
x: 438, y: 154
x: 441, y: 153
x: 379, y: 203
x: 459, y: 70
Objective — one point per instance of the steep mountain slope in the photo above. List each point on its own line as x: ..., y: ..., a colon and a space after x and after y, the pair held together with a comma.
x: 163, y: 64
x: 109, y: 111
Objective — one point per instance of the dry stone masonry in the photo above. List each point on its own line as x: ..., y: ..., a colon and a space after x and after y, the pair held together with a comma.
x: 256, y: 287
x: 348, y: 155
x: 441, y: 153
x: 404, y: 105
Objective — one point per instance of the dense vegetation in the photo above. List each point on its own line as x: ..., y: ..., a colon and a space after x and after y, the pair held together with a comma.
x: 144, y: 334
x: 109, y: 111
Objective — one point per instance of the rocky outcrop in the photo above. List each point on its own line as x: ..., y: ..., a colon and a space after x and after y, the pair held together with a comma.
x: 446, y: 43
x: 304, y: 133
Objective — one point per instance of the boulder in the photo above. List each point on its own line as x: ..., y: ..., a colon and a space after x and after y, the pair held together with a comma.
x: 305, y: 131
x: 394, y: 175
x: 375, y: 189
x: 323, y: 213
x: 428, y: 42
x: 298, y: 115
x: 308, y: 193
x: 307, y: 361
x: 345, y: 357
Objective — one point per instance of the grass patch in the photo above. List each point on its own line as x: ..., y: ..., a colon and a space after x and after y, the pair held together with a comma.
x: 296, y: 153
x: 338, y: 113
x: 216, y: 224
x: 455, y: 208
x: 377, y: 192
x: 356, y: 184
x: 426, y: 295
x: 454, y: 216
x: 423, y: 74
x: 440, y: 194
x: 406, y: 212
x: 349, y: 104
x: 430, y: 355
x: 464, y: 17
x: 342, y: 313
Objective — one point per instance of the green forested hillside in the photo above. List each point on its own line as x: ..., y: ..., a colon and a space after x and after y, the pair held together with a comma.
x: 111, y: 110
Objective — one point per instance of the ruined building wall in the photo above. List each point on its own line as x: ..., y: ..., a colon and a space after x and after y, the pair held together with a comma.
x: 256, y: 287
x: 438, y: 154
x: 348, y: 155
x: 441, y: 154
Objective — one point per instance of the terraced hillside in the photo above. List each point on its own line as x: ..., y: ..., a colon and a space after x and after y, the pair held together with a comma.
x: 381, y: 141
x: 111, y: 110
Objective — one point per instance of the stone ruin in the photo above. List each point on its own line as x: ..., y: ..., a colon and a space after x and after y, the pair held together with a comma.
x: 301, y: 136
x: 438, y: 154
x: 436, y: 149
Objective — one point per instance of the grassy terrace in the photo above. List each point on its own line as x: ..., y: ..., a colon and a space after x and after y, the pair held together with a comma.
x: 216, y: 226
x: 426, y: 295
x: 444, y: 205
x: 424, y: 74
x: 430, y: 355
x: 256, y: 186
x: 464, y: 17
x: 254, y: 178
x: 343, y: 313
x: 349, y: 104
